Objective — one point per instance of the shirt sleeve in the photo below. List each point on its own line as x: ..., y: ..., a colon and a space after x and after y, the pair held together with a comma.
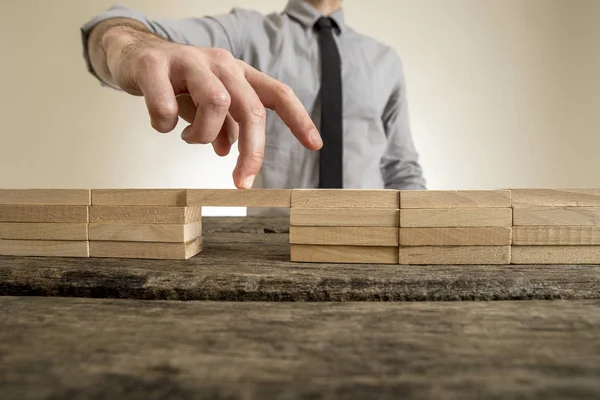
x: 227, y: 30
x: 400, y: 164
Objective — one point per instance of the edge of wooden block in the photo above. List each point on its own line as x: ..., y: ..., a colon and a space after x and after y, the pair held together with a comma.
x: 455, y: 199
x: 157, y: 233
x: 456, y: 217
x: 323, y: 254
x: 555, y: 255
x: 547, y: 197
x: 45, y: 248
x: 146, y: 250
x: 454, y: 255
x: 47, y: 197
x: 251, y: 198
x: 138, y: 197
x: 145, y: 214
x: 346, y: 198
x: 352, y: 217
x: 344, y: 235
x: 55, y: 231
x: 456, y: 236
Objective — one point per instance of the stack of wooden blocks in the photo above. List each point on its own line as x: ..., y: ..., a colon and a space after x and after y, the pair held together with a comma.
x: 45, y: 223
x: 553, y: 226
x: 139, y: 223
x: 519, y: 226
x: 455, y: 227
x: 349, y: 226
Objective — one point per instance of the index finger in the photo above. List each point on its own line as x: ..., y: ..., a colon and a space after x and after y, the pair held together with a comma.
x: 282, y: 99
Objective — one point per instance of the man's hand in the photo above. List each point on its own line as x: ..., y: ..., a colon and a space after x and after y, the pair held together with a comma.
x: 222, y: 98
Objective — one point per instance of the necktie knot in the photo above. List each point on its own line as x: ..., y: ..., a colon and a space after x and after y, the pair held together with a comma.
x: 324, y: 23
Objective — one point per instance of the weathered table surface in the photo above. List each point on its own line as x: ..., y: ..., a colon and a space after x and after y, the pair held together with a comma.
x: 82, y: 348
x: 248, y: 259
x: 69, y: 348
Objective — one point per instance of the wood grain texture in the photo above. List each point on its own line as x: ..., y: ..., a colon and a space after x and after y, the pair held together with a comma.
x: 343, y: 217
x: 454, y: 198
x: 145, y: 250
x: 555, y: 197
x: 44, y: 248
x: 272, y: 198
x: 80, y: 349
x: 343, y: 254
x: 556, y: 235
x: 454, y: 255
x: 43, y: 213
x: 344, y: 235
x: 145, y: 214
x: 584, y: 216
x: 483, y: 236
x: 455, y: 218
x: 43, y: 231
x: 167, y: 233
x: 139, y: 197
x: 555, y: 255
x: 345, y: 198
x: 56, y: 197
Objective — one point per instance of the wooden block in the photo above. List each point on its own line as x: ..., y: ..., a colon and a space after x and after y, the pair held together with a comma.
x: 556, y: 216
x: 344, y: 235
x: 454, y: 218
x: 556, y: 235
x: 343, y: 217
x: 454, y: 255
x: 345, y: 198
x: 166, y: 233
x: 555, y: 197
x: 44, y: 248
x: 145, y: 214
x: 556, y: 255
x: 145, y: 250
x: 43, y: 213
x: 272, y: 198
x: 483, y: 236
x: 455, y: 198
x: 52, y: 197
x: 139, y: 197
x: 43, y: 231
x: 344, y: 254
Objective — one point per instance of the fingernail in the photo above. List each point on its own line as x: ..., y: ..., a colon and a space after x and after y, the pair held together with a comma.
x: 315, y: 137
x: 249, y: 182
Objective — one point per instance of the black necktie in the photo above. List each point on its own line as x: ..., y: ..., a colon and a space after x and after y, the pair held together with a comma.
x: 331, y: 154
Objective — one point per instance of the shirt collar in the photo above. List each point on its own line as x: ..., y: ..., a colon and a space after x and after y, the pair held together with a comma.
x: 307, y: 15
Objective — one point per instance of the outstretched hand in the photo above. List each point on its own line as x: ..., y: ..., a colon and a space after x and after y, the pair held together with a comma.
x: 224, y: 100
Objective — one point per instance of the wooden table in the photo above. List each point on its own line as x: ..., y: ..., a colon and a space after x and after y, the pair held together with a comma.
x: 289, y: 347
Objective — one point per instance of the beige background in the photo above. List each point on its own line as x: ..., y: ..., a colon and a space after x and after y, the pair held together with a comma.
x: 502, y: 93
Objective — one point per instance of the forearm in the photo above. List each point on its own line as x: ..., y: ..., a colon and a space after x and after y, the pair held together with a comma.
x: 115, y: 34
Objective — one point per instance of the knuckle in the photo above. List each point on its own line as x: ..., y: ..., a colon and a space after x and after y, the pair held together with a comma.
x: 284, y: 90
x: 164, y: 111
x: 221, y: 55
x: 219, y: 100
x: 188, y: 55
x: 258, y: 113
x: 149, y: 59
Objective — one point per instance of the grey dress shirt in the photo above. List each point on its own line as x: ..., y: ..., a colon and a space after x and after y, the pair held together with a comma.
x: 378, y: 147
